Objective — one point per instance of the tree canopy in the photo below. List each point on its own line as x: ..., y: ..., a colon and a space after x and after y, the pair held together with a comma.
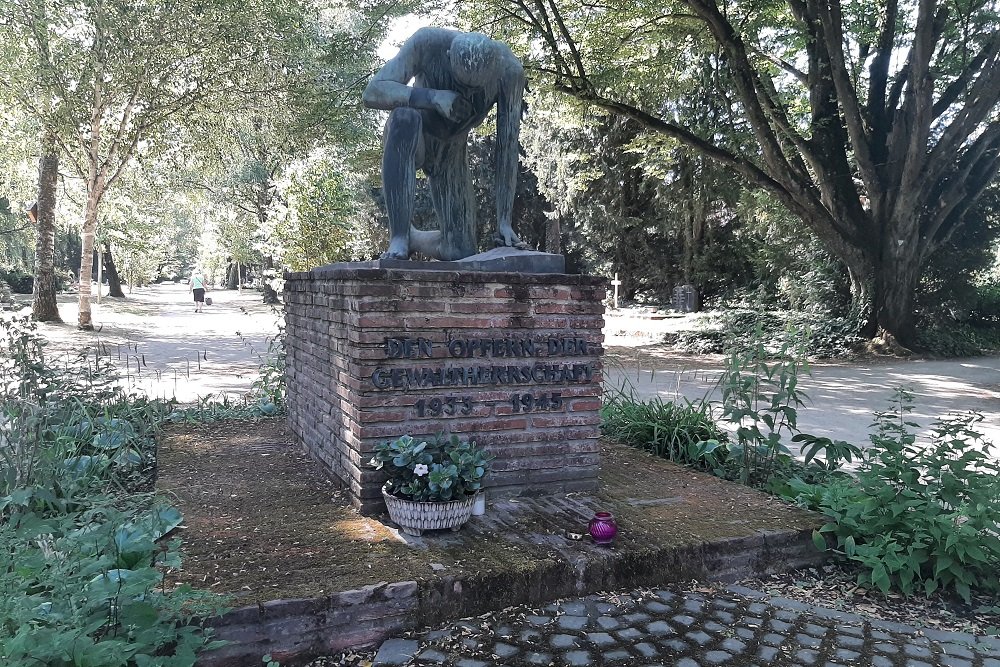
x: 875, y: 124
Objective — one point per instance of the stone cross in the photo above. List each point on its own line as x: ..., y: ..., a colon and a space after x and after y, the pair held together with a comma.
x: 616, y: 283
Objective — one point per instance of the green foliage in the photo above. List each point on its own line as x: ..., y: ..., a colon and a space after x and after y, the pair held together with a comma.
x: 222, y: 407
x: 959, y: 339
x: 270, y: 386
x: 318, y: 228
x: 439, y: 470
x: 86, y: 587
x: 919, y: 516
x: 956, y: 286
x: 20, y: 282
x: 761, y: 400
x: 825, y: 335
x: 675, y: 431
x: 835, y: 452
x: 987, y: 308
x: 84, y: 575
x: 632, y: 204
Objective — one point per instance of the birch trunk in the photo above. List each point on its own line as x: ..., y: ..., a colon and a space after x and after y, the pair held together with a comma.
x: 43, y: 305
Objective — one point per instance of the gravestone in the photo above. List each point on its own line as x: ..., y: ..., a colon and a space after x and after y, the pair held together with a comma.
x: 685, y: 299
x: 510, y: 359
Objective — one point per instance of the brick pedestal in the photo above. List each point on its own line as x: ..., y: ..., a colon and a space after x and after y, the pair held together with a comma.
x: 510, y: 360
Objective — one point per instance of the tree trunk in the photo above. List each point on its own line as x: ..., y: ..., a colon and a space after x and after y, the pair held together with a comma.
x: 893, y: 288
x: 553, y: 234
x: 43, y: 305
x: 111, y: 271
x: 232, y: 279
x: 270, y: 294
x: 87, y: 254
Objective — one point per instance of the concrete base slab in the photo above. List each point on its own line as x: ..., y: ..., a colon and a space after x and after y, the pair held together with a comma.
x: 495, y: 260
x: 674, y: 525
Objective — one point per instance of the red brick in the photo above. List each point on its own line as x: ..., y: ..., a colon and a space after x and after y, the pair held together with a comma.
x: 568, y: 308
x: 342, y: 342
x: 539, y: 420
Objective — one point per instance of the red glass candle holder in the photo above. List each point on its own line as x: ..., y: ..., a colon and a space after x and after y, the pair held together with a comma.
x: 603, y: 528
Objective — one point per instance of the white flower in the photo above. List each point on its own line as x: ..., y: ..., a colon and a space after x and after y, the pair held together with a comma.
x: 420, y: 470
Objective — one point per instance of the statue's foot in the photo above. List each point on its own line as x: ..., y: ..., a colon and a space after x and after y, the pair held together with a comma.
x: 512, y: 242
x: 397, y: 250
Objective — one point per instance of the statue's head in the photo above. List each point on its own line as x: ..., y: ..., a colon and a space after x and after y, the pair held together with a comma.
x: 473, y: 58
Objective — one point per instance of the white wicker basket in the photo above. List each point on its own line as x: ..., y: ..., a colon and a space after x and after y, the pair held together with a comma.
x: 415, y: 517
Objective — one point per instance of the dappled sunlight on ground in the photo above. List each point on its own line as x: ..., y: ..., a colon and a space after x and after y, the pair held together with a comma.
x: 163, y: 348
x: 841, y: 398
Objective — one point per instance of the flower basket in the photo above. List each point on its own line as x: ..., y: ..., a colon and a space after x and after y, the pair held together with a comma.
x: 414, y: 517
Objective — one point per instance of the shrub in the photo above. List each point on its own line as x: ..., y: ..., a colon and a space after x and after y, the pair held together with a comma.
x: 270, y: 388
x: 19, y: 281
x: 987, y: 307
x: 825, y: 335
x: 921, y: 517
x: 761, y: 401
x: 85, y: 587
x: 955, y: 339
x: 82, y: 581
x: 673, y: 431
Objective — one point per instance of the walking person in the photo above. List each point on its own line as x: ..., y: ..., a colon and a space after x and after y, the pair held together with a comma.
x: 197, y: 285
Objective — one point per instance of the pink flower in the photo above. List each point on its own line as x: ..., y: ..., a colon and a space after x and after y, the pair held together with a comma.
x: 420, y: 470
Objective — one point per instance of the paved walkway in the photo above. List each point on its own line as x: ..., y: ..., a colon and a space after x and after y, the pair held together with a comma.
x: 166, y: 350
x: 842, y: 398
x: 661, y: 628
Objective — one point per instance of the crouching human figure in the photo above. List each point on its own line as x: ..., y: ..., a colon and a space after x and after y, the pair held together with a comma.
x: 458, y: 78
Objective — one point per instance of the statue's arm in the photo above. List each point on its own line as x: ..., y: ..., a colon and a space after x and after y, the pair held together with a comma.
x: 509, y: 107
x: 389, y: 88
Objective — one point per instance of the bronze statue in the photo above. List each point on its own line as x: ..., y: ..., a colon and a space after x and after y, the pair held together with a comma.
x: 457, y: 78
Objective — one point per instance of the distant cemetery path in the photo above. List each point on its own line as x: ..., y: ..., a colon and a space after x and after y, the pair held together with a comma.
x: 166, y: 349
x: 842, y: 396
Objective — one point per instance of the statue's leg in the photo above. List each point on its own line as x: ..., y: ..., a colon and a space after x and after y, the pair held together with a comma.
x: 447, y: 168
x: 403, y: 154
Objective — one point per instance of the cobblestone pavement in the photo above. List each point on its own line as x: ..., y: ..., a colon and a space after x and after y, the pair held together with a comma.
x: 737, y: 626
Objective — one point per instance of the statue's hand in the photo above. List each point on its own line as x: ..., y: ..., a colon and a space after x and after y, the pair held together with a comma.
x: 451, y: 105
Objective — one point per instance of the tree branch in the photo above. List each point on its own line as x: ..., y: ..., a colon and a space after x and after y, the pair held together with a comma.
x: 958, y: 86
x: 878, y: 71
x: 799, y: 75
x: 964, y: 183
x: 581, y: 71
x: 14, y: 230
x: 802, y: 201
x: 634, y: 31
x: 911, y: 131
x: 833, y: 39
x: 793, y: 176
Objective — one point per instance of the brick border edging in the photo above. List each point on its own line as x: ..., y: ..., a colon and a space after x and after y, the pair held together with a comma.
x: 298, y: 629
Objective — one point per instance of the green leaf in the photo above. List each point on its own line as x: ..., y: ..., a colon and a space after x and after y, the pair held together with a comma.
x: 881, y: 578
x: 849, y: 546
x: 819, y: 541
